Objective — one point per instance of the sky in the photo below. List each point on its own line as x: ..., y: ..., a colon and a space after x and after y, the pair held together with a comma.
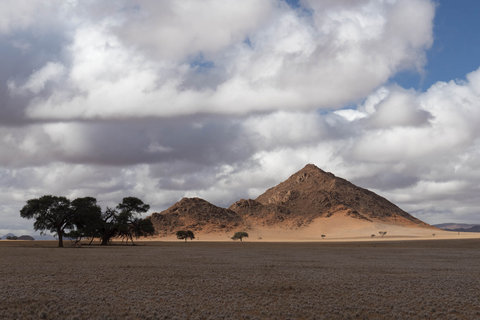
x: 222, y: 99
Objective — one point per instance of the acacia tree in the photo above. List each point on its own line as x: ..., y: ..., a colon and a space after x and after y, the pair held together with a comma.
x: 51, y: 213
x: 122, y: 221
x: 240, y: 235
x: 108, y: 226
x: 82, y: 217
x: 87, y: 219
x: 142, y: 228
x: 185, y: 234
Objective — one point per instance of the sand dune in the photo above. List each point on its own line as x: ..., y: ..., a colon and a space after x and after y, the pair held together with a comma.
x: 337, y: 228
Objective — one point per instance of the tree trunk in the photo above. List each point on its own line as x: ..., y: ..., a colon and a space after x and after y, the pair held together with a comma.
x: 60, y: 238
x: 104, y: 241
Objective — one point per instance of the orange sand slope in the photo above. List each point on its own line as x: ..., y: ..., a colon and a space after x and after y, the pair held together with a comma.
x: 338, y: 228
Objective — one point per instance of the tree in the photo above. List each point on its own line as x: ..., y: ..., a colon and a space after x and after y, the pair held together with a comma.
x: 51, y: 213
x: 382, y: 233
x: 108, y: 227
x: 142, y: 227
x: 127, y: 223
x: 122, y: 221
x: 185, y: 234
x: 87, y: 219
x: 82, y: 217
x: 240, y: 235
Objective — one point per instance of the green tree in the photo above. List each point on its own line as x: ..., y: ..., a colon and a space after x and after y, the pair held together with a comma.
x: 51, y: 213
x: 185, y: 234
x: 108, y: 226
x: 87, y: 219
x: 240, y: 235
x: 123, y: 222
x: 142, y: 227
x: 127, y: 222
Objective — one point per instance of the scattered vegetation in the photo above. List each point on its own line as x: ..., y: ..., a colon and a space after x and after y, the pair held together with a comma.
x: 83, y: 218
x: 185, y: 234
x: 323, y: 236
x: 240, y: 235
x: 382, y: 233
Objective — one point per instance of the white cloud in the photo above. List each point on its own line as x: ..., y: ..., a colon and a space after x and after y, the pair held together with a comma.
x: 140, y: 103
x: 173, y: 30
x: 51, y: 72
x: 291, y: 61
x: 20, y: 15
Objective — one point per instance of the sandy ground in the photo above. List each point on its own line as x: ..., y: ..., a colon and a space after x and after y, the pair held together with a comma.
x: 338, y: 228
x: 436, y: 279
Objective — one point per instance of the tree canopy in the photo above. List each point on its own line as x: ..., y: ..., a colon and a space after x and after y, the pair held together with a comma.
x: 51, y: 213
x: 82, y: 217
x: 123, y: 221
x: 240, y: 235
x: 185, y: 234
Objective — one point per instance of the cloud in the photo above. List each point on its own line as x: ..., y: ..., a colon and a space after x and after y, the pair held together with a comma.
x: 428, y: 167
x: 278, y: 58
x: 125, y: 98
x: 23, y: 14
x: 169, y: 30
x: 37, y: 82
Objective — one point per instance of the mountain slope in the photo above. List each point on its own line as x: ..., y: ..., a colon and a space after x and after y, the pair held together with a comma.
x: 304, y: 198
x: 312, y: 193
x: 197, y: 215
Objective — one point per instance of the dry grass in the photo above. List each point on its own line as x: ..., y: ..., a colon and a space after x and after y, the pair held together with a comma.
x: 200, y: 280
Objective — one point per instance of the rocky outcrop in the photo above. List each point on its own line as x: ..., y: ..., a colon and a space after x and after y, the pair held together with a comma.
x: 309, y: 194
x: 197, y: 215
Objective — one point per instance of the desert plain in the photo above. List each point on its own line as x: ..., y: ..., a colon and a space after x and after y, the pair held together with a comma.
x: 381, y: 279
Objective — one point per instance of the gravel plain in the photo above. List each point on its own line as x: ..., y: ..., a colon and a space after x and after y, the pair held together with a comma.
x: 229, y: 280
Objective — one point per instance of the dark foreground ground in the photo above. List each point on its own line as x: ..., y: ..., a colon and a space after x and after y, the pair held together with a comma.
x: 387, y: 280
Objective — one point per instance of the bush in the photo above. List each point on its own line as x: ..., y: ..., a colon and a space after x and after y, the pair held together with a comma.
x: 240, y: 235
x: 185, y: 234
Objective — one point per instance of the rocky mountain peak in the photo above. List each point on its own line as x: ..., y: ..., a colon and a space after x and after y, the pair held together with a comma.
x: 306, y: 195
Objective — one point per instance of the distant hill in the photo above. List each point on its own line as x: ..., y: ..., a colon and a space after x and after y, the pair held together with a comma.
x: 459, y: 227
x: 7, y: 235
x: 34, y: 237
x: 11, y: 236
x: 307, y: 195
x: 197, y: 215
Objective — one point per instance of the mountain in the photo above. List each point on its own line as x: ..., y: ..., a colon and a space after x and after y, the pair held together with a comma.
x: 304, y: 198
x: 197, y: 215
x: 11, y: 236
x: 459, y: 227
x: 25, y: 237
x: 7, y: 235
x: 312, y: 193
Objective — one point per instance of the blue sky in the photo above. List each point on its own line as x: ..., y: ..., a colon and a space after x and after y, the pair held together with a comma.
x: 222, y: 101
x: 456, y: 47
